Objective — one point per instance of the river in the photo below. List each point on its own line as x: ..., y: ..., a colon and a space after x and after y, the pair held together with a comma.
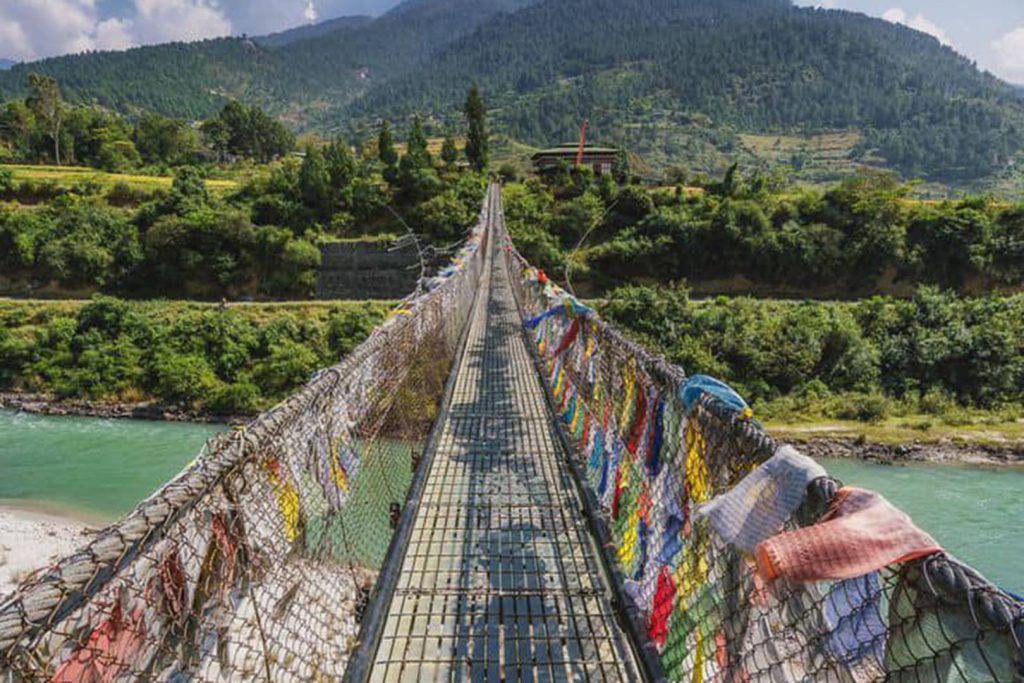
x: 99, y: 469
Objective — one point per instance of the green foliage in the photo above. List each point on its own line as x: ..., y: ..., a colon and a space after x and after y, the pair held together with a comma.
x: 386, y: 151
x: 449, y: 152
x: 46, y: 103
x: 444, y: 217
x: 75, y: 242
x: 672, y: 79
x: 936, y: 351
x: 862, y: 236
x: 417, y: 143
x: 263, y: 240
x: 163, y: 140
x: 477, y: 143
x: 230, y: 361
x: 42, y: 128
x: 247, y: 132
x: 528, y: 217
x: 315, y: 188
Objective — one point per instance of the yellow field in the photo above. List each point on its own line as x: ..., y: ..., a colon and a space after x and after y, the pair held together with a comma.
x: 71, y: 175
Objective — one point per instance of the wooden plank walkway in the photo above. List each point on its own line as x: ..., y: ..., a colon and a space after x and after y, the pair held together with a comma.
x: 501, y: 579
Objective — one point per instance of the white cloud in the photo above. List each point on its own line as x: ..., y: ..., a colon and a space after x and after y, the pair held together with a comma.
x: 33, y: 29
x: 160, y: 21
x: 918, y: 22
x: 1009, y: 51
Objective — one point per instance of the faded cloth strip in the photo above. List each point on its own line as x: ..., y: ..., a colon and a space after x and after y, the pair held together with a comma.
x: 757, y: 507
x: 860, y: 532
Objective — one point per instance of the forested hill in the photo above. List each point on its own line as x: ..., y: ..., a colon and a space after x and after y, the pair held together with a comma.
x: 294, y: 78
x: 649, y: 70
x: 680, y: 81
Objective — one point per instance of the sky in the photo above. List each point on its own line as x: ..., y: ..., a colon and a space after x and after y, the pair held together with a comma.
x: 991, y: 32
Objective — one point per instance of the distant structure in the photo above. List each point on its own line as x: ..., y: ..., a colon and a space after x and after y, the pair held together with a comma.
x: 598, y: 158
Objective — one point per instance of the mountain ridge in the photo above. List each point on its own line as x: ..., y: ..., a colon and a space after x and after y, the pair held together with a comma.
x: 667, y: 79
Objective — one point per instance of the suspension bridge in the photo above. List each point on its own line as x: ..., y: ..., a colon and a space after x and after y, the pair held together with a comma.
x: 499, y: 486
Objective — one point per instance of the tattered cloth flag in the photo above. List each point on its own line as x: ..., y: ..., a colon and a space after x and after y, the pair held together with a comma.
x: 860, y: 533
x: 757, y: 507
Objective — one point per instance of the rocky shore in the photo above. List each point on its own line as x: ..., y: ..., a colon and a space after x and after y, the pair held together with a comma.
x: 942, y: 452
x: 45, y: 404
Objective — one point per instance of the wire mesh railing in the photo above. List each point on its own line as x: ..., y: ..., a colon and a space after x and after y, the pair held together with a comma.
x: 741, y: 559
x: 255, y: 562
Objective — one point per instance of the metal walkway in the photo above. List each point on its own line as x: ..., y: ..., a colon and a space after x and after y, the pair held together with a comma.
x: 501, y: 579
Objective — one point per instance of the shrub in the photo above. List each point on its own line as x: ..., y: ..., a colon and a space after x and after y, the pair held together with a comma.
x: 182, y: 378
x: 238, y: 398
x: 872, y: 408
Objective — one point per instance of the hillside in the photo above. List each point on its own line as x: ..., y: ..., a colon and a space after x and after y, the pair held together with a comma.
x: 323, y: 28
x: 681, y: 77
x: 295, y: 74
x: 696, y: 84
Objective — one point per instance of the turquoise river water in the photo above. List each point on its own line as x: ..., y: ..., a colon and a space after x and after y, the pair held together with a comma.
x: 100, y: 469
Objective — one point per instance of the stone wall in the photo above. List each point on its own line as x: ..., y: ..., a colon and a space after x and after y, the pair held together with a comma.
x: 366, y: 270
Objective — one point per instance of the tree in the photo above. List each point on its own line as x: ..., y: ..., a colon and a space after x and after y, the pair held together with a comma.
x: 247, y: 132
x: 46, y: 103
x: 449, y: 152
x: 417, y: 145
x: 341, y: 164
x: 386, y: 145
x: 477, y: 145
x: 163, y: 140
x: 621, y: 167
x: 315, y: 184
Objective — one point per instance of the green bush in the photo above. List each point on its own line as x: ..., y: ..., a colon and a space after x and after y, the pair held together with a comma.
x: 931, y: 353
x: 872, y: 408
x: 239, y: 398
x: 227, y: 361
x: 179, y: 378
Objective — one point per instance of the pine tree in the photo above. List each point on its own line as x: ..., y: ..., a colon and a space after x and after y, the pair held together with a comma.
x: 477, y: 150
x: 417, y: 146
x: 341, y: 164
x: 449, y: 152
x: 621, y: 168
x: 386, y: 145
x: 315, y: 184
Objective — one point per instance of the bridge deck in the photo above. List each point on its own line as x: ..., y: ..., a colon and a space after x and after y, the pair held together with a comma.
x: 500, y: 581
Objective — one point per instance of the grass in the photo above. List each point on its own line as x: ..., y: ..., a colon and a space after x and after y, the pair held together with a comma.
x: 72, y: 175
x: 902, y: 430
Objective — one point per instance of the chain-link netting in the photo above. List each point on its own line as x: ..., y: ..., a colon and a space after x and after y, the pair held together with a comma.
x: 255, y: 562
x: 742, y: 559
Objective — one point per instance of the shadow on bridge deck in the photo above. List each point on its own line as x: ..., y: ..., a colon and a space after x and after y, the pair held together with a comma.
x: 500, y: 580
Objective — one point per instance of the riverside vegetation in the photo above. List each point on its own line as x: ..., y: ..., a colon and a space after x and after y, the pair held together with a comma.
x: 257, y: 238
x: 933, y: 356
x: 929, y: 349
x: 232, y: 360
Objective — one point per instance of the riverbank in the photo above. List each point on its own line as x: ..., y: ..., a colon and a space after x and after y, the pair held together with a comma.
x: 30, y: 538
x: 947, y: 453
x: 984, y: 440
x: 46, y: 404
